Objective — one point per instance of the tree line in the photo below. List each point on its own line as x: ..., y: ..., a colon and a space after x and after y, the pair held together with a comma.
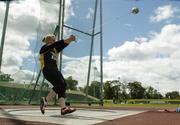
x: 120, y: 91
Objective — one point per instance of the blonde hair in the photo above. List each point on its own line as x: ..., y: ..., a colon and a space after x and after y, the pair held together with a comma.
x: 47, y: 37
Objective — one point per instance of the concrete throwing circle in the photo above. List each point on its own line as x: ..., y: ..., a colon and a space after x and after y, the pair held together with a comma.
x: 56, y: 111
x: 80, y: 117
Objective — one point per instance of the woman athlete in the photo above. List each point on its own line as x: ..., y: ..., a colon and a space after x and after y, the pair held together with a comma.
x: 48, y: 61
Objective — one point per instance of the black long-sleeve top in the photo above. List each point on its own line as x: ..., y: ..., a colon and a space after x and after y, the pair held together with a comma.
x: 49, y: 54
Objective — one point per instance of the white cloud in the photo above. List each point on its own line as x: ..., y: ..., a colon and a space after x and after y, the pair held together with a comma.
x: 72, y: 64
x: 78, y: 68
x: 22, y: 76
x: 141, y: 39
x: 27, y: 20
x: 69, y: 10
x: 2, y: 12
x: 128, y: 25
x: 90, y: 13
x: 158, y: 45
x: 154, y: 59
x: 19, y: 75
x: 164, y: 13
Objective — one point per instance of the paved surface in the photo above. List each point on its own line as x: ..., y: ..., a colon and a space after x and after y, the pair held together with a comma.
x: 80, y: 117
x: 147, y: 118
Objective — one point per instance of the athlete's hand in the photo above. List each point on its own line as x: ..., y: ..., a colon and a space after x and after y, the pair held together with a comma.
x: 72, y: 38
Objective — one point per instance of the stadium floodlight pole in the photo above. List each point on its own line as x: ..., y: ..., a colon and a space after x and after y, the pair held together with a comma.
x: 4, y: 32
x: 101, y: 52
x: 91, y: 49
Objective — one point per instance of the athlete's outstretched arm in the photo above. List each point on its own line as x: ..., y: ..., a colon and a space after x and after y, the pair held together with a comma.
x: 70, y: 39
x: 60, y: 45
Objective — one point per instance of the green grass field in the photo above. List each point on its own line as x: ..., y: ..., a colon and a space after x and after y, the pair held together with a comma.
x: 148, y: 103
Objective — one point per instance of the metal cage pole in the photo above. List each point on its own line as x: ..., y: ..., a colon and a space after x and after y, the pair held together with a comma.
x: 62, y: 31
x: 59, y: 20
x: 92, y: 42
x: 4, y: 32
x: 61, y: 3
x: 101, y: 52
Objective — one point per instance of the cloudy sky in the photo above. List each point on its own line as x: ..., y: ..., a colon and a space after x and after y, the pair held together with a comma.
x: 143, y: 47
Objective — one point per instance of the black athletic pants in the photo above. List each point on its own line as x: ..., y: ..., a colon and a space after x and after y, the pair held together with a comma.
x: 56, y: 79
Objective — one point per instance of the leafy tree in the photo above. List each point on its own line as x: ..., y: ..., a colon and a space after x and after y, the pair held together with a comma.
x: 94, y: 89
x: 5, y: 77
x: 173, y: 95
x: 136, y: 90
x: 108, y: 90
x: 71, y: 83
x: 157, y: 95
x: 149, y: 93
x: 152, y: 93
x: 124, y: 94
x: 117, y: 89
